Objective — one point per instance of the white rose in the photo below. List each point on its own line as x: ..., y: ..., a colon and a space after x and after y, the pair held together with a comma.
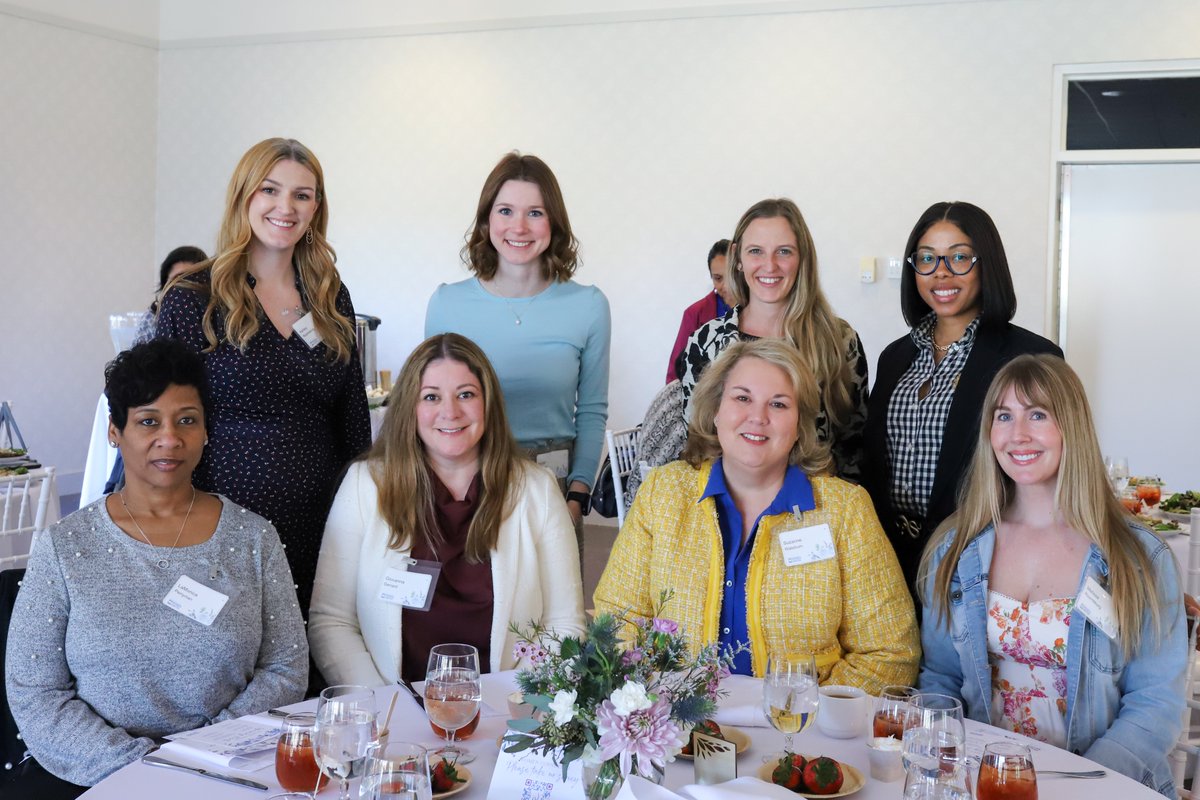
x: 563, y: 706
x: 630, y: 698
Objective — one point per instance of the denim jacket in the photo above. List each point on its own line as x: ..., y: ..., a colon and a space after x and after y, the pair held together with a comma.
x: 1123, y: 714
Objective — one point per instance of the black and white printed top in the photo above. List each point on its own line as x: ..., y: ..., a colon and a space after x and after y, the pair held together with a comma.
x: 914, y: 425
x: 845, y: 441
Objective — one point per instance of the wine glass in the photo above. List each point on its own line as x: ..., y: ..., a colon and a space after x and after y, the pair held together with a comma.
x: 1118, y: 471
x: 891, y: 710
x: 1006, y: 773
x: 452, y: 694
x: 296, y: 766
x: 934, y: 748
x: 790, y: 694
x: 344, y: 730
x: 396, y: 771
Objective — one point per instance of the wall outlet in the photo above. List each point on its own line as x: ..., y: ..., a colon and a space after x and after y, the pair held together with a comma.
x: 895, y: 268
x: 866, y: 269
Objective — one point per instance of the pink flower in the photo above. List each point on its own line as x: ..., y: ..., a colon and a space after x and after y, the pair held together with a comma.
x: 649, y: 734
x: 661, y: 625
x: 632, y: 656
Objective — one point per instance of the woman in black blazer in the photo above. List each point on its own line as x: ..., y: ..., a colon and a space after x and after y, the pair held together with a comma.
x: 923, y: 412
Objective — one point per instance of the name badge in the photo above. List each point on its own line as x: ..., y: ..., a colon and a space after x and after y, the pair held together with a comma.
x: 807, y: 545
x: 557, y: 461
x: 195, y: 600
x: 411, y: 588
x: 1096, y: 605
x: 307, y: 330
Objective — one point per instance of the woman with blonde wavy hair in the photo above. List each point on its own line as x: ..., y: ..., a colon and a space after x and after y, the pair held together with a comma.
x: 777, y: 294
x: 1064, y: 614
x: 274, y: 322
x: 444, y: 490
x: 758, y: 544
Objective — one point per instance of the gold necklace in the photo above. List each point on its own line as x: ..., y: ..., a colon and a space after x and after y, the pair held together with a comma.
x: 163, y: 563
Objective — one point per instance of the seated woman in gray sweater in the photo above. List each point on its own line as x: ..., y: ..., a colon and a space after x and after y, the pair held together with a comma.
x: 154, y: 610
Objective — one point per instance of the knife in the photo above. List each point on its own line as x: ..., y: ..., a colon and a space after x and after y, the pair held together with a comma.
x: 159, y: 761
x: 408, y: 687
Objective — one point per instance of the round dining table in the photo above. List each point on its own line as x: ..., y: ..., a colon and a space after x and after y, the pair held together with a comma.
x: 409, y: 723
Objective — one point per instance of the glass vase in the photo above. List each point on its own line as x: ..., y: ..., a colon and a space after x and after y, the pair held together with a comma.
x: 602, y: 781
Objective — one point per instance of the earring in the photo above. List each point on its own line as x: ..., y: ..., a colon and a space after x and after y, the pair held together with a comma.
x: 205, y: 443
x: 308, y: 237
x: 112, y: 443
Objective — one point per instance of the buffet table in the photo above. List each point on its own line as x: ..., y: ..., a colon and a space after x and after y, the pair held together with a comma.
x: 409, y: 724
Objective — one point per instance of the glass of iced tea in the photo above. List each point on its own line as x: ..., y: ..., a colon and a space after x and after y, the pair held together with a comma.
x: 891, y: 709
x: 1131, y: 501
x: 1149, y: 493
x: 1006, y: 773
x: 296, y: 765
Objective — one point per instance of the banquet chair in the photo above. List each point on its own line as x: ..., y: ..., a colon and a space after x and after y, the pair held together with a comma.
x: 1187, y: 750
x: 12, y: 749
x: 20, y: 518
x: 622, y: 458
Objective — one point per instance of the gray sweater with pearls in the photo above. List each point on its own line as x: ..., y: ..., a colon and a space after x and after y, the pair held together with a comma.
x: 98, y: 665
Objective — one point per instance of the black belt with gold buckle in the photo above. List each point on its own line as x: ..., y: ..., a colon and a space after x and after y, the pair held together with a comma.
x: 909, y: 526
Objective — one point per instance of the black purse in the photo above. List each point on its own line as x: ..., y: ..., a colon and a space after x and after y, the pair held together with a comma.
x: 604, y: 494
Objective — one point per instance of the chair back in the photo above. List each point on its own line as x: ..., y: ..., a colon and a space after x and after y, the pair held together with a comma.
x: 24, y: 500
x: 12, y: 749
x: 622, y: 456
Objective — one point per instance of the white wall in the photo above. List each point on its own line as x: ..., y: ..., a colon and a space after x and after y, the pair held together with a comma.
x: 661, y: 134
x: 76, y: 221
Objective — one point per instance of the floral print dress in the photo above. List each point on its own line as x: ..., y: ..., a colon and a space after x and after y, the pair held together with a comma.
x: 1027, y: 649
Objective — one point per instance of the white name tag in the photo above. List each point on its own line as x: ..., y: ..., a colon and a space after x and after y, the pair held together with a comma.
x: 403, y: 588
x: 195, y: 600
x: 806, y: 545
x: 1096, y: 605
x: 307, y: 330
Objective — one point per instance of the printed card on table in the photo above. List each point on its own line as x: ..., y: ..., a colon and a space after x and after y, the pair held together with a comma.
x: 714, y: 760
x: 532, y: 776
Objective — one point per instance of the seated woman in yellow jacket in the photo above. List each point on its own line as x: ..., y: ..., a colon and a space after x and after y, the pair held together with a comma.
x: 757, y: 543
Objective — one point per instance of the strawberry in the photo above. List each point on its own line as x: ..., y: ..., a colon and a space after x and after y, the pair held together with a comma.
x: 709, y: 728
x: 443, y: 776
x: 789, y: 772
x: 823, y: 776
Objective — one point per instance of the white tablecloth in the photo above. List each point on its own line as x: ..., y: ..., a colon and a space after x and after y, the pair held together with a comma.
x: 409, y: 724
x: 100, y: 456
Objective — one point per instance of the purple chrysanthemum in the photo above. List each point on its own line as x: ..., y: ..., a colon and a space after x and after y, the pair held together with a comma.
x: 649, y: 734
x: 632, y: 656
x: 661, y: 625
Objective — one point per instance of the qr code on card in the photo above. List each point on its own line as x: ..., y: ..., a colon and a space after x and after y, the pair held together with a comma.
x: 536, y: 790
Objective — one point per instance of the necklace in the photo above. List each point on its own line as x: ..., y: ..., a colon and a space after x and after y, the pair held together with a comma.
x: 163, y: 563
x: 298, y: 310
x: 513, y: 311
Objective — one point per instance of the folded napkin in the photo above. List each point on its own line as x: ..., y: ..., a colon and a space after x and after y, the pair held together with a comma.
x: 742, y: 707
x: 638, y: 788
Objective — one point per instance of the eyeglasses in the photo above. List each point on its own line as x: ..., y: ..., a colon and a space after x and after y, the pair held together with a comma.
x: 959, y: 262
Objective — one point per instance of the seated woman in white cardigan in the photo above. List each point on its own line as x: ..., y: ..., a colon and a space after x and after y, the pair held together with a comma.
x: 444, y: 489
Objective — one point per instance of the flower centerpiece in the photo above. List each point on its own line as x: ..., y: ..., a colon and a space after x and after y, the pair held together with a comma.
x: 618, y: 704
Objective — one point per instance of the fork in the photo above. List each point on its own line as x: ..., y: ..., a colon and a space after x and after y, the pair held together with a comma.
x: 1094, y: 773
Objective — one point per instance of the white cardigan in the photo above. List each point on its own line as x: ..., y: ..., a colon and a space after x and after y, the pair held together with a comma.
x: 355, y: 637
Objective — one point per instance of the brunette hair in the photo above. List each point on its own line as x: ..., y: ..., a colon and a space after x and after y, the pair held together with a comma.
x: 400, y: 467
x: 721, y: 248
x: 808, y: 452
x: 229, y: 292
x: 1082, y: 495
x: 138, y: 376
x: 998, y: 300
x: 810, y: 324
x: 561, y: 257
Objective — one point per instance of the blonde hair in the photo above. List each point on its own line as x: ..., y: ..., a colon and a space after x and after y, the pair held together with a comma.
x: 808, y: 453
x: 400, y: 466
x: 1082, y: 494
x: 809, y: 323
x: 229, y: 293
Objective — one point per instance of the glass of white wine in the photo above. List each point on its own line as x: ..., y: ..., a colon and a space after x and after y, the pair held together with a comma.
x: 790, y: 694
x: 452, y: 694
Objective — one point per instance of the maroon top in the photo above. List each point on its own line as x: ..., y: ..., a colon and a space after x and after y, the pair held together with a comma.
x: 462, y: 599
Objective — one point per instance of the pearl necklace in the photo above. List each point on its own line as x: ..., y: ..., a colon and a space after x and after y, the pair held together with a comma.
x: 163, y: 563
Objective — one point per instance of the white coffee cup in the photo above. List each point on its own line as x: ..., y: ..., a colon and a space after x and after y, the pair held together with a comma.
x: 843, y: 711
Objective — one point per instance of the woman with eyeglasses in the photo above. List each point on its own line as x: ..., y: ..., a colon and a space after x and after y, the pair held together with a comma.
x: 957, y: 295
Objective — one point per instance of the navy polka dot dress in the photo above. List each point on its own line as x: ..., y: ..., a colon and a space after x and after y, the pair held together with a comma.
x: 283, y: 424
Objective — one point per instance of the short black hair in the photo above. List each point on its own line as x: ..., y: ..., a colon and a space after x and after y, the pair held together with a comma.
x: 997, y: 298
x: 138, y: 376
x: 186, y: 253
x: 721, y: 248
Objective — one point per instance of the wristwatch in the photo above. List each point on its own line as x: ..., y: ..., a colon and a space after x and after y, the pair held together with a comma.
x: 583, y: 498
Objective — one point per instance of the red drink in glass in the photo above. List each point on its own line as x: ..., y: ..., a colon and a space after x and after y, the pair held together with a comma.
x: 888, y: 723
x: 1149, y: 493
x: 462, y: 733
x: 295, y: 765
x: 1005, y: 784
x: 1132, y: 503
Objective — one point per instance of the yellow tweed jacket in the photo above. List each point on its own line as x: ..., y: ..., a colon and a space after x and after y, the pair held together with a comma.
x: 853, y: 612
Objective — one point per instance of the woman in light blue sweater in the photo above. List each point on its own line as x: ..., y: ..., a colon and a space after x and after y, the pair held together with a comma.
x: 547, y: 336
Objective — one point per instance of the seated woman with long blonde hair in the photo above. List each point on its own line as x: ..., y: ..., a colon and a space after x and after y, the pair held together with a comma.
x: 1048, y: 609
x: 445, y: 484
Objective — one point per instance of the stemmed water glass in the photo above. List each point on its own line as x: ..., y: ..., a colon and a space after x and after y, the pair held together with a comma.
x: 396, y: 771
x: 790, y: 694
x: 1118, y: 471
x: 452, y: 694
x: 344, y: 731
x: 1006, y: 773
x: 934, y: 749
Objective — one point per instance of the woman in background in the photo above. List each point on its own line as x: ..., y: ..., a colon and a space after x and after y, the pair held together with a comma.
x: 1008, y: 626
x: 446, y: 485
x: 546, y: 335
x: 957, y: 295
x: 275, y: 324
x: 178, y: 261
x: 776, y: 290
